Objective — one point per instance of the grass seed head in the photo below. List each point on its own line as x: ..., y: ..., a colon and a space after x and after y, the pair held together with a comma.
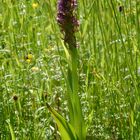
x: 15, y: 97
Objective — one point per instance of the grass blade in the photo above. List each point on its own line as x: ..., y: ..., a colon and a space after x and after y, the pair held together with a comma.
x: 11, y: 130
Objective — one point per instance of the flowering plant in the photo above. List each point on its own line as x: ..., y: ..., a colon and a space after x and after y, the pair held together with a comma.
x: 67, y: 20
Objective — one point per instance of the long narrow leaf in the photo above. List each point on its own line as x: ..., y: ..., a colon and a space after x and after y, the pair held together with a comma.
x: 65, y: 128
x: 11, y: 130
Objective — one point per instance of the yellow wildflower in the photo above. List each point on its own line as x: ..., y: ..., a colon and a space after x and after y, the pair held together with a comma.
x: 30, y: 56
x: 28, y: 60
x: 35, y: 5
x: 35, y: 69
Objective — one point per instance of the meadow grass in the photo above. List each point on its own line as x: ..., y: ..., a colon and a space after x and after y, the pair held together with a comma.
x: 32, y: 60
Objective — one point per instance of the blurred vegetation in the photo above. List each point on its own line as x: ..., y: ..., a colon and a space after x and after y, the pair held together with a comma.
x: 32, y: 59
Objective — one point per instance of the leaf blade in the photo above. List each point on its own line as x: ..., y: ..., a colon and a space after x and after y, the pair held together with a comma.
x: 65, y: 128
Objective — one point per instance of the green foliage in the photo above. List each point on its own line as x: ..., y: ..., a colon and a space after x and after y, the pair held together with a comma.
x: 33, y: 67
x: 65, y: 128
x: 11, y: 131
x: 72, y: 83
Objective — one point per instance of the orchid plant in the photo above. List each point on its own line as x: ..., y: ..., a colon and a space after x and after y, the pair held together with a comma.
x: 68, y: 23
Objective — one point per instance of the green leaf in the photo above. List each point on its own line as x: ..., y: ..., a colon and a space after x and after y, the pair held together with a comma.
x: 65, y: 128
x: 11, y: 130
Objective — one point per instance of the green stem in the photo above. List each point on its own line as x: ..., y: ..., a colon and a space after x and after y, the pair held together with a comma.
x: 76, y: 118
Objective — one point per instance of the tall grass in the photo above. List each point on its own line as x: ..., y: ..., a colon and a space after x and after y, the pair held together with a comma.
x: 32, y: 58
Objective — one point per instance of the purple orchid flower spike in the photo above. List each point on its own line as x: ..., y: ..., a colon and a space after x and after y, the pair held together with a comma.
x: 66, y: 18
